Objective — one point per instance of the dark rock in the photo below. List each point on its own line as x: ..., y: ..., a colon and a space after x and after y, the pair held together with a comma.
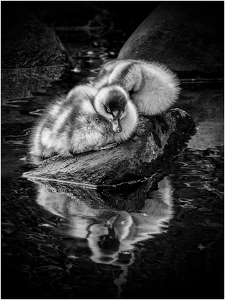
x: 185, y: 36
x: 32, y: 55
x: 26, y: 43
x: 147, y: 154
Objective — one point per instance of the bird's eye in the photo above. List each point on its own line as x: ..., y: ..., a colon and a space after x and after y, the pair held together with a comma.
x: 108, y: 110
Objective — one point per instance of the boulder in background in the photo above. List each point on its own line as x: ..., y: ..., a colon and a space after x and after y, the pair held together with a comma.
x: 185, y: 36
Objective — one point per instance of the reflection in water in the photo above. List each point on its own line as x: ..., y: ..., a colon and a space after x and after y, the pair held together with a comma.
x: 111, y: 235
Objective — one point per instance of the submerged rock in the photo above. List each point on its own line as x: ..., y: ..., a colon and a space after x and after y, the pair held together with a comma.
x: 155, y: 143
x: 185, y: 36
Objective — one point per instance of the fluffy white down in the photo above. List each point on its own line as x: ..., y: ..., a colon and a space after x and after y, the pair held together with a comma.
x: 154, y: 88
x: 159, y: 89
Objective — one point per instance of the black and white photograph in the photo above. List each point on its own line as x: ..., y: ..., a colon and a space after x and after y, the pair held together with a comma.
x: 112, y: 149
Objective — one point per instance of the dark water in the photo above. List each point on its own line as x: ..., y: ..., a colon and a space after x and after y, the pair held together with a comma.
x: 167, y: 245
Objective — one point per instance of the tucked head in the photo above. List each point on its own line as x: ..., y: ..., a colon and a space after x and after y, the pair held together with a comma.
x: 111, y: 102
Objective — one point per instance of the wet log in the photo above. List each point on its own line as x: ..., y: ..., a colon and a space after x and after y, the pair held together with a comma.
x: 156, y: 142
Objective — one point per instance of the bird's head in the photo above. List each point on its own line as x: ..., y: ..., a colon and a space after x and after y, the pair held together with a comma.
x: 111, y: 102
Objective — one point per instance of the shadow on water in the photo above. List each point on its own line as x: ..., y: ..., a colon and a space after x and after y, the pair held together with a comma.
x: 136, y: 243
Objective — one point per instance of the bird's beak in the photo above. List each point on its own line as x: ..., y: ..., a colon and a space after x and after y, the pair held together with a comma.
x: 116, y: 125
